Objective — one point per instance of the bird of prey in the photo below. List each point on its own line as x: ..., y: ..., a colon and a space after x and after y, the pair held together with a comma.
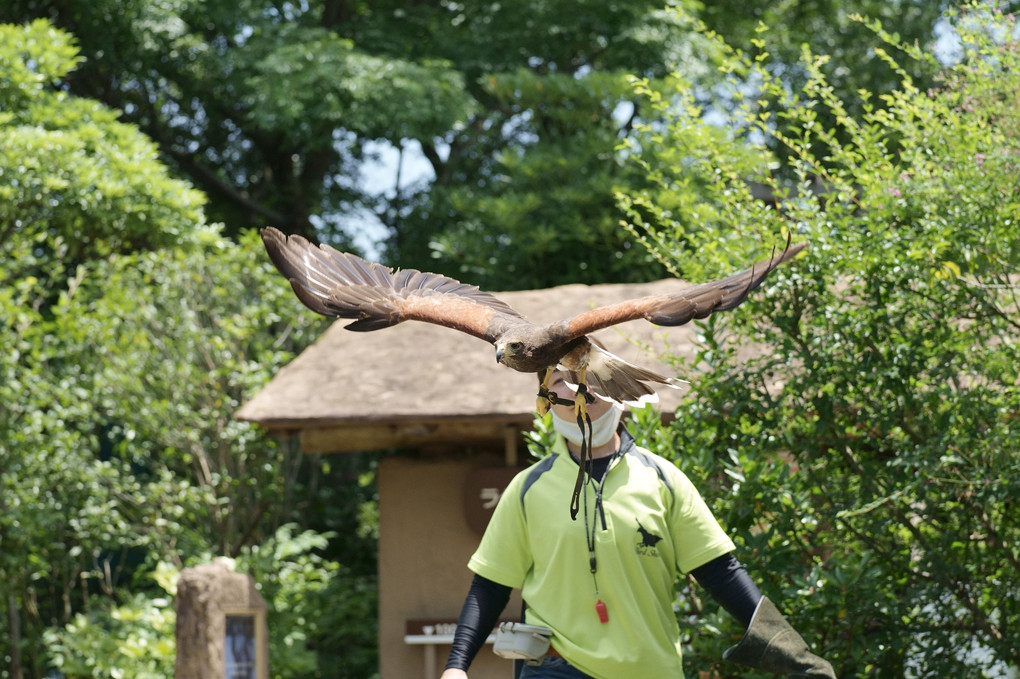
x: 342, y: 285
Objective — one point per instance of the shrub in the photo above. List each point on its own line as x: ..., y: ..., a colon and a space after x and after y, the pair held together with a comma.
x: 863, y: 456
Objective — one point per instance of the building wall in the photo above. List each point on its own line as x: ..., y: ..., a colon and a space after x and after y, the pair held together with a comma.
x: 424, y: 546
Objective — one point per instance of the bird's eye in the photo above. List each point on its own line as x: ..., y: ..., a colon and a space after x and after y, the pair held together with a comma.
x: 515, y: 346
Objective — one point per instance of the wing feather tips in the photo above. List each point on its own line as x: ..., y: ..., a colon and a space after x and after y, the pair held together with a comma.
x: 316, y: 303
x: 342, y: 285
x: 369, y: 324
x: 280, y: 250
x: 702, y: 300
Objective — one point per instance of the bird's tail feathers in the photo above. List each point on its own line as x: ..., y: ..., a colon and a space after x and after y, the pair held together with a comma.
x: 611, y: 377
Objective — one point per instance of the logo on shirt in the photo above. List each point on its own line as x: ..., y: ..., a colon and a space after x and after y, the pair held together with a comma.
x: 647, y: 546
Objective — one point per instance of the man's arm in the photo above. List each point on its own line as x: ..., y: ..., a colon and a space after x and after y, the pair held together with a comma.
x: 484, y: 602
x: 728, y: 582
x: 769, y: 643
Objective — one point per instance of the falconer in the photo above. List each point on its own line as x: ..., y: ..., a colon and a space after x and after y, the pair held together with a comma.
x: 604, y: 586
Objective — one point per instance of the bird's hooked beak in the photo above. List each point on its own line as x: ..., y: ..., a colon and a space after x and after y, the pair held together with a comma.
x: 507, y: 350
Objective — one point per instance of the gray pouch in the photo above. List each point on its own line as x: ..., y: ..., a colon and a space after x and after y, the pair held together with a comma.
x: 517, y: 641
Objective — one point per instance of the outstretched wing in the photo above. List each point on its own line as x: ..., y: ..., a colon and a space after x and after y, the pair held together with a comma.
x: 342, y: 285
x: 692, y: 301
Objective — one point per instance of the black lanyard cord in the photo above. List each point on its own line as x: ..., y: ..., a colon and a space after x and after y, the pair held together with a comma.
x: 589, y: 536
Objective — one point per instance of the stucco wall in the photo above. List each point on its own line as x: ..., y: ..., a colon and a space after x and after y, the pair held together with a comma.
x: 424, y: 545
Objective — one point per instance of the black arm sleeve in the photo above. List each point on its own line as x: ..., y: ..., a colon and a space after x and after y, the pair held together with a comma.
x: 485, y: 601
x: 726, y: 580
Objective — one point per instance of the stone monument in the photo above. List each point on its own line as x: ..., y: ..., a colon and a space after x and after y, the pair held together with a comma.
x: 221, y: 625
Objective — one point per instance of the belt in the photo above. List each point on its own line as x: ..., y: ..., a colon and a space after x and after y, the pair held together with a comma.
x: 553, y: 653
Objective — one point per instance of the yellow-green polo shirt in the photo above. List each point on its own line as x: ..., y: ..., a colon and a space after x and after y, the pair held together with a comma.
x: 656, y: 526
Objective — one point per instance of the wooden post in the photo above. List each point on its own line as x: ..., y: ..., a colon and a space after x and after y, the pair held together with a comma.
x: 510, y: 435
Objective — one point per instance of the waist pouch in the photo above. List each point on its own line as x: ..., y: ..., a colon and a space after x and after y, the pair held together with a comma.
x: 517, y: 641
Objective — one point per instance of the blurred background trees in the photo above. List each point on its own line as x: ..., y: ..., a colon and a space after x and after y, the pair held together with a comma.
x: 863, y: 463
x: 132, y: 332
x: 506, y: 115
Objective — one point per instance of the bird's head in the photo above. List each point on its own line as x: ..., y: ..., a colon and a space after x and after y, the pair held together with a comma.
x: 509, y: 350
x: 515, y: 349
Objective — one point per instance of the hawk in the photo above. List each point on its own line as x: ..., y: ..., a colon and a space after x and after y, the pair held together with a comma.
x: 342, y: 285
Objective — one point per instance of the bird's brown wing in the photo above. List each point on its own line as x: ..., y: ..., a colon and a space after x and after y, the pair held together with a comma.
x: 691, y: 301
x: 342, y: 285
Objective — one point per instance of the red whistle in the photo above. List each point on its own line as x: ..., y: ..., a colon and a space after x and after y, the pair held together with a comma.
x: 600, y: 608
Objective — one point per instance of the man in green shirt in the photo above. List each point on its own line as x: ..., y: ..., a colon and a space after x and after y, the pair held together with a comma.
x: 604, y: 584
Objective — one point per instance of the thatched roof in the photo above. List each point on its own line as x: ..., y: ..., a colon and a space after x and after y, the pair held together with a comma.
x: 355, y: 391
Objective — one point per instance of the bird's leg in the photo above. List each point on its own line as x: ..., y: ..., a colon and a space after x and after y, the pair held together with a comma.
x: 581, y: 401
x: 583, y: 397
x: 544, y: 402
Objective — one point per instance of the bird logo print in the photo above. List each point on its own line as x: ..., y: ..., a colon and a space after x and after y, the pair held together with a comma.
x: 648, y: 541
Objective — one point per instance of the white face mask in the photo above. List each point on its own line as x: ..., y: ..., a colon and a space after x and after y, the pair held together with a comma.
x: 602, y: 429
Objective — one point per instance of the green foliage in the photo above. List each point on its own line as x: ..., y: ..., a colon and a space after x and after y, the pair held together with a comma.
x: 322, y: 618
x: 512, y: 111
x: 304, y: 82
x: 541, y: 436
x: 175, y: 341
x: 274, y: 111
x: 525, y: 196
x: 853, y: 425
x: 830, y: 27
x: 132, y: 333
x: 266, y: 107
x: 75, y: 182
x: 516, y: 234
x: 134, y: 640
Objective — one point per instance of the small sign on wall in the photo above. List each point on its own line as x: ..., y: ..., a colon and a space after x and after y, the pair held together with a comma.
x: 482, y: 490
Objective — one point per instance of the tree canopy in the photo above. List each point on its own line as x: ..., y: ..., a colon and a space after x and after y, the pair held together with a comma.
x: 272, y: 109
x: 276, y: 109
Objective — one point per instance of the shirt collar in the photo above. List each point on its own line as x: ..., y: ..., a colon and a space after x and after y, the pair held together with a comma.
x: 627, y: 443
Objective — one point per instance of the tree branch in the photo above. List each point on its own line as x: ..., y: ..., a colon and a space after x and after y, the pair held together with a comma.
x: 224, y: 188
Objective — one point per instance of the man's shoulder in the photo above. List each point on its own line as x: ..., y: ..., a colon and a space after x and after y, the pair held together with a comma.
x: 650, y: 457
x: 539, y: 466
x: 529, y: 476
x: 667, y: 472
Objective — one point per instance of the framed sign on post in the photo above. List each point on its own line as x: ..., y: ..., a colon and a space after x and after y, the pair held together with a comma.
x: 221, y: 625
x: 244, y: 637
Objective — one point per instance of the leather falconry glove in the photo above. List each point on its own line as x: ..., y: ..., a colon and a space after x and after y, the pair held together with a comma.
x: 772, y: 645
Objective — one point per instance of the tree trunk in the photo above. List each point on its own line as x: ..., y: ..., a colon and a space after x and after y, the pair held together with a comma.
x: 14, y: 625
